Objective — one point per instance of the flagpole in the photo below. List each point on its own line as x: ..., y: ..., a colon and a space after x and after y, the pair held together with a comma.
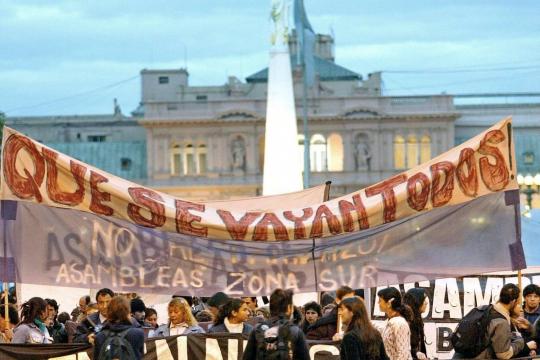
x: 307, y: 167
x: 5, y: 277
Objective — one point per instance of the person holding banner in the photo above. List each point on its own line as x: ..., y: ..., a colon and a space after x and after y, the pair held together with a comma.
x: 181, y: 320
x: 32, y: 329
x: 231, y: 318
x: 361, y: 339
x: 395, y: 332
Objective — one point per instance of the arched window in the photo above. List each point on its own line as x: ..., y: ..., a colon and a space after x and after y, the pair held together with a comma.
x: 191, y: 168
x: 425, y: 149
x: 188, y: 160
x: 317, y: 149
x: 399, y: 152
x: 335, y: 153
x: 177, y: 165
x: 201, y: 155
x: 412, y: 151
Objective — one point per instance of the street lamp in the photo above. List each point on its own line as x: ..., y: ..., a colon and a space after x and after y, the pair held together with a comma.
x: 526, y: 184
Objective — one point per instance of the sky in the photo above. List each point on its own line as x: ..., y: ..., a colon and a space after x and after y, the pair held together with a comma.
x: 74, y: 57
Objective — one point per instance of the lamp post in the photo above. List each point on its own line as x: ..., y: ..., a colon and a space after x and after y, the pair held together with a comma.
x: 529, y: 185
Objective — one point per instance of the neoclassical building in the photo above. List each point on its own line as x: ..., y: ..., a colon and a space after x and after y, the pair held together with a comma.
x: 208, y: 142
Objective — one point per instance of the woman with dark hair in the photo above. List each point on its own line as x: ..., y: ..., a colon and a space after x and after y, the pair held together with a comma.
x: 231, y: 318
x: 119, y: 324
x: 416, y: 299
x: 312, y: 312
x: 32, y: 328
x: 395, y: 332
x: 361, y: 339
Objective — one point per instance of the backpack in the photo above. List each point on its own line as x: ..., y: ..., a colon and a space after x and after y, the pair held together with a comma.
x: 116, y: 346
x: 274, y: 342
x: 470, y: 337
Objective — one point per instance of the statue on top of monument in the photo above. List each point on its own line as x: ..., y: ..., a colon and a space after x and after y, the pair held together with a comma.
x: 280, y: 18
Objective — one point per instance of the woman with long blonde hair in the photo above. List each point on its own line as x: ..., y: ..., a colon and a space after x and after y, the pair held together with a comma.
x: 181, y: 320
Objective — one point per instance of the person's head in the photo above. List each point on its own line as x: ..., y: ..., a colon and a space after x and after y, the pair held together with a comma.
x: 12, y: 314
x: 52, y: 309
x: 251, y: 303
x: 312, y: 311
x: 391, y: 303
x: 509, y: 296
x: 35, y: 308
x: 216, y: 301
x: 235, y: 310
x: 417, y: 300
x: 326, y: 299
x: 343, y: 292
x: 83, y: 303
x: 281, y: 303
x: 204, y: 316
x: 180, y: 312
x: 63, y: 317
x: 531, y: 294
x: 150, y: 316
x: 354, y: 314
x: 118, y: 310
x: 103, y: 298
x: 263, y: 312
x: 137, y: 309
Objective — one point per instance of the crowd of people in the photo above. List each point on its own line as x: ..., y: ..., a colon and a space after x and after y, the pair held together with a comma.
x: 122, y: 323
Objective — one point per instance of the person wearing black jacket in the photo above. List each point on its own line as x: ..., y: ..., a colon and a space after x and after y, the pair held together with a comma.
x: 361, y: 339
x: 281, y: 308
x: 417, y: 300
x: 118, y: 321
x: 94, y: 322
x: 326, y: 326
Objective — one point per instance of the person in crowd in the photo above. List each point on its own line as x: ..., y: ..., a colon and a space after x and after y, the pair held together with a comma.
x: 32, y: 328
x: 215, y: 302
x: 263, y: 312
x: 251, y: 302
x: 327, y: 299
x: 264, y: 338
x: 63, y: 317
x: 312, y: 312
x: 79, y: 313
x: 531, y: 308
x: 94, y: 322
x: 503, y: 344
x: 395, y: 332
x: 326, y: 327
x: 181, y: 320
x: 137, y: 310
x: 150, y: 317
x: 204, y: 316
x: 6, y: 333
x: 56, y: 330
x: 417, y: 300
x: 119, y: 322
x: 361, y: 340
x: 328, y: 309
x: 231, y: 318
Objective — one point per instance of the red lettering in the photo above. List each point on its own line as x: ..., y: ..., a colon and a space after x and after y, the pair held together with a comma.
x: 495, y: 176
x: 261, y: 229
x: 442, y: 194
x: 237, y: 229
x: 152, y: 201
x: 53, y: 188
x: 299, y: 227
x: 324, y: 213
x: 418, y: 200
x: 345, y: 209
x: 386, y: 190
x: 467, y: 183
x: 185, y: 219
x: 24, y: 187
x: 98, y: 196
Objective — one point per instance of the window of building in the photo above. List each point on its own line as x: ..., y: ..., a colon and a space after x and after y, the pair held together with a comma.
x: 201, y: 97
x: 317, y: 149
x: 163, y: 79
x: 188, y: 160
x: 96, y: 138
x: 399, y: 152
x: 412, y: 151
x: 425, y: 149
x: 335, y: 153
x: 125, y: 164
x: 172, y: 107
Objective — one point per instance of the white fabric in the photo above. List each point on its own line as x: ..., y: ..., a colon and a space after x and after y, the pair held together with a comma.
x: 234, y: 328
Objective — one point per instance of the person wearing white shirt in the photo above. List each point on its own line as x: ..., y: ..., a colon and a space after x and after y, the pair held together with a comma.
x: 231, y: 318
